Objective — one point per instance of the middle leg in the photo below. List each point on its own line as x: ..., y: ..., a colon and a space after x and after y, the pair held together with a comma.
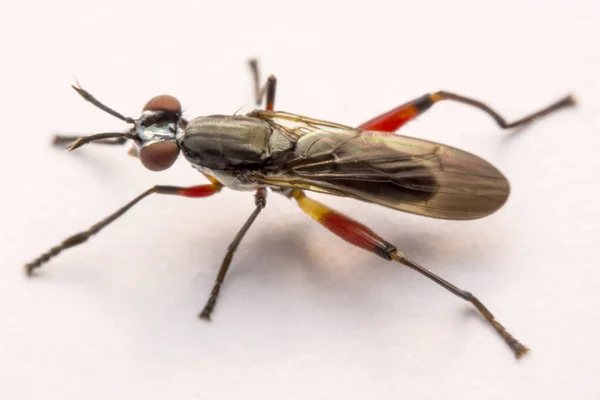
x: 260, y: 202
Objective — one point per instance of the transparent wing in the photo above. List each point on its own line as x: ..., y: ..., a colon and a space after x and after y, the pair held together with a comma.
x: 399, y: 172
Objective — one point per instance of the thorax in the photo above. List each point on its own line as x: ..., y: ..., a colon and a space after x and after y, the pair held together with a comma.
x: 229, y: 148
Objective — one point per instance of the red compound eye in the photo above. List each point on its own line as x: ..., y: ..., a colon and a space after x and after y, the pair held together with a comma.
x: 164, y: 102
x: 159, y: 156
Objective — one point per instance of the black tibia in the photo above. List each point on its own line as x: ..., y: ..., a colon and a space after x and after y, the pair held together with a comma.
x: 269, y: 88
x: 83, y: 236
x: 517, y: 348
x: 260, y: 202
x: 566, y: 101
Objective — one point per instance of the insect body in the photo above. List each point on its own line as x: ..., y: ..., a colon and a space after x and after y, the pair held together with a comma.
x: 291, y: 154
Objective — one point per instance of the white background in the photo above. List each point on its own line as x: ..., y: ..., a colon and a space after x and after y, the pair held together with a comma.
x: 303, y: 315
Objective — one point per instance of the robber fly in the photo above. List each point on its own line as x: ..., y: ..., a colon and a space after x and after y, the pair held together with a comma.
x: 290, y: 154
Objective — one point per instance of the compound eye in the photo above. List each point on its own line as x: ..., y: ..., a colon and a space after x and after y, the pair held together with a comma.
x: 164, y: 102
x: 159, y: 156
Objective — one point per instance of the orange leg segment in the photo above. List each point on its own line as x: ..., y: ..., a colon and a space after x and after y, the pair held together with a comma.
x: 198, y: 191
x: 201, y: 190
x: 359, y: 235
x: 351, y: 231
x: 394, y: 119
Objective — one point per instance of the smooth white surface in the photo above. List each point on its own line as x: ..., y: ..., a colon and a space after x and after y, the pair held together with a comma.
x: 302, y: 315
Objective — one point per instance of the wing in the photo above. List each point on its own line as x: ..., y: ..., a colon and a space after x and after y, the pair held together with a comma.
x: 400, y: 172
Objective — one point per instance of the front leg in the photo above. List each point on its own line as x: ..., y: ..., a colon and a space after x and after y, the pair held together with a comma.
x: 83, y: 236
